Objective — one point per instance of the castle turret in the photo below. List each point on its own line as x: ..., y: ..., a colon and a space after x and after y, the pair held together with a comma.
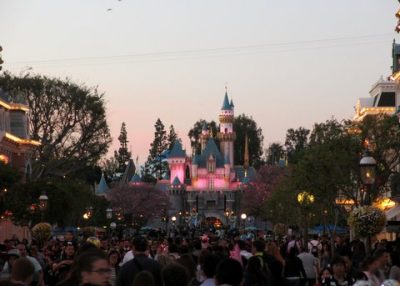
x: 226, y: 135
x: 205, y: 134
x: 176, y: 161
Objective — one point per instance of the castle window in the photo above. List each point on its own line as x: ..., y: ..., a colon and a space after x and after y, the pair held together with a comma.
x: 211, y: 164
x: 226, y: 130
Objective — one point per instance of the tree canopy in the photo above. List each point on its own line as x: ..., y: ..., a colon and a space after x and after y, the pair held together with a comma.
x: 68, y: 119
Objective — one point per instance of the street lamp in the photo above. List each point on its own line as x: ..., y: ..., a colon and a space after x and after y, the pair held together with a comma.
x: 109, y: 213
x: 43, y: 202
x: 243, y: 216
x: 367, y: 171
x: 305, y: 199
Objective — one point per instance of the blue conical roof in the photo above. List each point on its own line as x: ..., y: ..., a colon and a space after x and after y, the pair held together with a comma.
x: 102, y: 188
x: 226, y: 105
x: 211, y: 149
x: 135, y: 179
x: 176, y: 181
x: 177, y: 151
x: 231, y: 104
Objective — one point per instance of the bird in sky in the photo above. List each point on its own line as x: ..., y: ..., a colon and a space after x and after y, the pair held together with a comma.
x: 109, y: 9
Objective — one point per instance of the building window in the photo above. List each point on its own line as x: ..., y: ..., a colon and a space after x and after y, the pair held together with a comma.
x: 211, y: 164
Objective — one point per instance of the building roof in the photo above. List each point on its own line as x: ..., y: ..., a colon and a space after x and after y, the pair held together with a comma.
x: 204, y: 126
x: 226, y: 105
x: 231, y: 104
x: 240, y: 174
x: 135, y: 179
x: 176, y: 182
x: 102, y: 188
x: 177, y: 151
x: 211, y: 149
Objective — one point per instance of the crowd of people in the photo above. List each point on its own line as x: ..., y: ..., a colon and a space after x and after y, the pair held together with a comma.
x: 206, y: 260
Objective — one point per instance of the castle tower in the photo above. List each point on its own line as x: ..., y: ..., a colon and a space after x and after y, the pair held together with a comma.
x: 176, y: 162
x: 205, y: 134
x: 226, y: 135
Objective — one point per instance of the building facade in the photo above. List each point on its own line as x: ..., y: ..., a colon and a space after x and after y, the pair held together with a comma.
x: 16, y: 148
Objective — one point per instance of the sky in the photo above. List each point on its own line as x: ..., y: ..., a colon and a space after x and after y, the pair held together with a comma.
x: 285, y: 63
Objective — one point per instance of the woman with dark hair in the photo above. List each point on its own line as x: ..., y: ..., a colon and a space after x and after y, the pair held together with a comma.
x: 62, y: 267
x: 90, y: 267
x: 113, y: 260
x: 294, y: 269
x: 188, y: 262
x: 255, y: 273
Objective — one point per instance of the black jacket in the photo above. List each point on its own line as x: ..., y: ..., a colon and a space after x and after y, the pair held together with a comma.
x: 140, y: 263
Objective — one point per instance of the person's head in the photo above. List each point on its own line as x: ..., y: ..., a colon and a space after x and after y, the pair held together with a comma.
x: 12, y: 255
x: 114, y: 258
x: 338, y: 266
x: 370, y: 264
x: 126, y: 245
x: 229, y: 271
x: 22, y: 271
x: 209, y: 265
x: 69, y: 250
x: 325, y: 274
x: 92, y: 267
x: 174, y: 275
x: 22, y: 249
x: 68, y: 236
x: 188, y: 262
x: 140, y: 244
x: 144, y: 278
x: 258, y: 246
x: 382, y: 256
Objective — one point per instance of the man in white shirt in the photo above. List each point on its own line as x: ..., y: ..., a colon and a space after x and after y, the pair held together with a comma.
x: 310, y: 264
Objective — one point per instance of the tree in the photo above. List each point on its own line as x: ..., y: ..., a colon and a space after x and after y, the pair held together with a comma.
x: 70, y: 196
x: 68, y: 119
x: 142, y: 201
x: 123, y: 155
x: 195, y: 132
x: 296, y: 141
x: 156, y: 164
x: 257, y: 193
x: 245, y: 125
x: 274, y: 153
x: 172, y: 137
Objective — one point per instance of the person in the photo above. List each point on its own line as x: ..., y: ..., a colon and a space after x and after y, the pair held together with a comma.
x: 90, y: 267
x: 382, y: 257
x: 12, y: 255
x: 209, y: 269
x: 314, y: 244
x: 139, y: 263
x: 22, y: 272
x: 294, y: 270
x: 63, y: 266
x: 187, y: 261
x: 339, y: 274
x: 113, y: 260
x: 175, y: 274
x: 310, y: 264
x: 229, y: 272
x: 38, y: 276
x: 144, y: 278
x: 324, y: 277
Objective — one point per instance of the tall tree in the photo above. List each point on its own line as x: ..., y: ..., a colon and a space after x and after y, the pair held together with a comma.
x: 68, y: 119
x: 195, y: 132
x: 172, y: 137
x: 274, y: 153
x: 157, y: 165
x: 123, y: 155
x: 245, y: 125
x: 296, y: 141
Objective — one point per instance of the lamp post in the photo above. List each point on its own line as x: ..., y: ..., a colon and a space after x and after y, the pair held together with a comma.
x: 305, y: 199
x: 367, y: 171
x: 243, y: 216
x: 43, y: 203
x: 109, y: 212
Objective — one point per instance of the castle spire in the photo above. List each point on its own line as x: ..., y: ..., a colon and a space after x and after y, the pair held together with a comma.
x: 246, y: 155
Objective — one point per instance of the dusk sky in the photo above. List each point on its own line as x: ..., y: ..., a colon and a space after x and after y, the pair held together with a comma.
x: 286, y: 63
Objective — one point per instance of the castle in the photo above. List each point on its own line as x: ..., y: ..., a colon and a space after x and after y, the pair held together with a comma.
x: 207, y: 188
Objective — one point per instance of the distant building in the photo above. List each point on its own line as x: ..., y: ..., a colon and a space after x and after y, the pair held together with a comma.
x: 207, y: 188
x: 16, y: 148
